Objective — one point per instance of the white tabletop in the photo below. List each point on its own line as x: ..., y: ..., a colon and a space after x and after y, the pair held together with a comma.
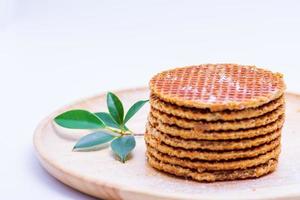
x: 54, y: 52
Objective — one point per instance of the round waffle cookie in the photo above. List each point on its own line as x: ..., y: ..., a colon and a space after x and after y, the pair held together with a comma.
x: 215, y: 135
x: 202, y: 166
x: 212, y: 145
x: 219, y: 125
x: 218, y: 87
x: 157, y: 144
x: 205, y: 114
x: 210, y: 176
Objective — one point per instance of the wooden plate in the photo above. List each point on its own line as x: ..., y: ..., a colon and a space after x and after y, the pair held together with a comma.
x: 100, y: 175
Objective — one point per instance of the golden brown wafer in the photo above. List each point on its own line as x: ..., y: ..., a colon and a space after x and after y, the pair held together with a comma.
x: 209, y: 155
x: 212, y: 145
x: 201, y: 165
x: 212, y: 176
x: 219, y: 125
x: 218, y: 86
x: 205, y: 114
x: 215, y: 135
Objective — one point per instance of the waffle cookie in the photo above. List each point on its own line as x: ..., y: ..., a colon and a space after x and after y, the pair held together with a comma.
x: 208, y: 154
x: 205, y: 114
x: 218, y: 86
x: 211, y: 176
x: 215, y: 135
x: 201, y: 165
x: 215, y: 122
x: 212, y: 145
x: 219, y: 125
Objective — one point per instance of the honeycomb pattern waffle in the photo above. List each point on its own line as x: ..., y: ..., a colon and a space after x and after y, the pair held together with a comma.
x: 218, y: 86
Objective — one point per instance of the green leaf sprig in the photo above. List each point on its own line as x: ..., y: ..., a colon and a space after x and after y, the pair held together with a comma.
x: 109, y: 127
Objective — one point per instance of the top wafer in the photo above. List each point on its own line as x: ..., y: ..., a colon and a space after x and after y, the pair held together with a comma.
x: 218, y: 86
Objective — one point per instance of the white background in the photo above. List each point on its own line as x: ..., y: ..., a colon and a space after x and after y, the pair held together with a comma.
x: 53, y: 52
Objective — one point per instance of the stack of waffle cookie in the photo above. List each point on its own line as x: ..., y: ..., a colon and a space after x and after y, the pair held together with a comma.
x: 215, y: 122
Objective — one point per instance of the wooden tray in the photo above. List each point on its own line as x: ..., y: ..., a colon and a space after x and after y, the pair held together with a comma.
x: 100, y: 175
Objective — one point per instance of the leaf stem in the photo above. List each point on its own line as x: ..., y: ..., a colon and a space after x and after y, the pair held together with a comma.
x: 138, y: 134
x: 113, y: 130
x: 134, y: 134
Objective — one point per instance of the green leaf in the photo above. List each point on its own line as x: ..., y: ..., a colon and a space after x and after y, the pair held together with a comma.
x: 126, y: 128
x: 107, y: 119
x: 93, y: 141
x: 122, y: 146
x: 134, y: 109
x: 115, y: 108
x: 79, y: 119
